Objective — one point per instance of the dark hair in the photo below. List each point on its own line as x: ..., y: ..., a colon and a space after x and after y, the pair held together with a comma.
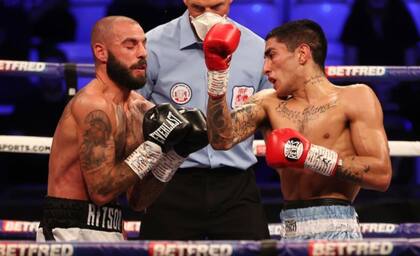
x: 295, y: 33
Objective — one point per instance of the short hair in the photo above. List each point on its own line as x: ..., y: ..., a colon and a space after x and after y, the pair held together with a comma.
x: 103, y: 28
x: 295, y: 33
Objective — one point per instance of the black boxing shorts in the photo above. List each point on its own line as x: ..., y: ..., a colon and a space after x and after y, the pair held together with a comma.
x: 78, y: 220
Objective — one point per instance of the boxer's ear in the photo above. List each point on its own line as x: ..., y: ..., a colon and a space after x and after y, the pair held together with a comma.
x: 304, y: 53
x: 100, y: 52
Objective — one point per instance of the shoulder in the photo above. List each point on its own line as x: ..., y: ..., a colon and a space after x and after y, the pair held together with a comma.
x: 265, y: 97
x: 358, y: 98
x: 138, y: 100
x: 87, y: 101
x: 356, y: 92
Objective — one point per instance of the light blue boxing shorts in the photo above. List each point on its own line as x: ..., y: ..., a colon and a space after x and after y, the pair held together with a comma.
x: 325, y: 218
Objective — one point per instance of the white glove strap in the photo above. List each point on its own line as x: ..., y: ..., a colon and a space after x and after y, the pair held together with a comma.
x: 321, y: 160
x: 144, y: 158
x: 217, y: 82
x: 167, y: 166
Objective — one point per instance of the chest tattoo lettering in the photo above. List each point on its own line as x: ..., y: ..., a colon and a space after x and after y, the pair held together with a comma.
x: 309, y: 113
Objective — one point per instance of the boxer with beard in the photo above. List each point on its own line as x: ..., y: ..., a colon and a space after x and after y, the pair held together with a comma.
x: 110, y: 140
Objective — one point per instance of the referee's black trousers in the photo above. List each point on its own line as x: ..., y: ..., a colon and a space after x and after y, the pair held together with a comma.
x: 214, y: 204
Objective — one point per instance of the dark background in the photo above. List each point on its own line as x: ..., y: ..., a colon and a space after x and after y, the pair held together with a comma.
x: 382, y: 33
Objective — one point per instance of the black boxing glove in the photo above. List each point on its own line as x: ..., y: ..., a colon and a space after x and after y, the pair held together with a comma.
x: 193, y: 141
x: 165, y: 126
x: 197, y: 137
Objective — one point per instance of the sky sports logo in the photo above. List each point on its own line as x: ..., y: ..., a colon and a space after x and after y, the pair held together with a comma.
x: 18, y: 148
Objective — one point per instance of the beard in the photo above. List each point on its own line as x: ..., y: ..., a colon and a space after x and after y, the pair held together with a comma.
x: 121, y: 74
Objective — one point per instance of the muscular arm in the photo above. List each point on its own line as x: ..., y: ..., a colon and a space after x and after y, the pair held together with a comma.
x: 371, y: 167
x: 226, y: 128
x: 105, y: 178
x: 144, y: 192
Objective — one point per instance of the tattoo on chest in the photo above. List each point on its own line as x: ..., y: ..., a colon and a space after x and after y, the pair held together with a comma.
x: 96, y: 136
x: 302, y: 118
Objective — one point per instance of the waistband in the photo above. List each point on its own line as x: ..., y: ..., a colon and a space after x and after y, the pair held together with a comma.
x: 314, y: 202
x: 70, y: 213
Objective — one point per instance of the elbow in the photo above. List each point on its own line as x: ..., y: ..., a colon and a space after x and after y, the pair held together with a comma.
x: 221, y: 145
x: 135, y: 204
x: 381, y: 185
x: 383, y: 182
x: 221, y: 142
x: 101, y: 199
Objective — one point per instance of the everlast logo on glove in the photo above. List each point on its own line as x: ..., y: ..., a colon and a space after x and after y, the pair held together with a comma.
x: 166, y: 128
x: 293, y: 149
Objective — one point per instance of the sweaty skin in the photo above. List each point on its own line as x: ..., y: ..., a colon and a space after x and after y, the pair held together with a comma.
x: 347, y: 119
x: 102, y: 125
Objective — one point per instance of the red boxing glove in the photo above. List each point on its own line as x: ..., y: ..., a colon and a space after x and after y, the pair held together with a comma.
x: 288, y: 148
x: 219, y: 44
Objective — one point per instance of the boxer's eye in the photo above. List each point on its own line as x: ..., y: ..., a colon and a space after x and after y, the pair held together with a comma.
x: 130, y: 44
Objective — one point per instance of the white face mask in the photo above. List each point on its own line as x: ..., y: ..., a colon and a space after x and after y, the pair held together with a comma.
x: 205, y: 21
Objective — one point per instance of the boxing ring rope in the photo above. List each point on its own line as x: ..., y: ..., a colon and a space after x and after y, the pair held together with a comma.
x: 367, y: 73
x: 218, y: 248
x: 42, y: 145
x: 401, y: 239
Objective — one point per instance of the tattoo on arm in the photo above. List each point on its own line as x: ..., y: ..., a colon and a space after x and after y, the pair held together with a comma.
x: 144, y: 192
x: 353, y: 171
x: 95, y: 140
x: 244, y: 121
x: 231, y: 128
x: 220, y: 123
x: 97, y: 156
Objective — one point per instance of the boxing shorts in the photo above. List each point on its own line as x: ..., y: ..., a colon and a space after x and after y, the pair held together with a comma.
x: 324, y: 218
x: 78, y: 220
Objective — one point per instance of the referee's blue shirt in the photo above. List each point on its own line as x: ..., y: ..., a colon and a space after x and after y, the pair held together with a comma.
x: 176, y: 73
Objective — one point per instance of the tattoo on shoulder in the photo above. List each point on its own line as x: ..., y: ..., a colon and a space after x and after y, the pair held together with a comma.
x: 95, y: 136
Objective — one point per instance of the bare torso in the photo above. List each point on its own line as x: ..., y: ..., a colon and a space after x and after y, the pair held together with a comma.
x: 65, y: 179
x: 325, y: 123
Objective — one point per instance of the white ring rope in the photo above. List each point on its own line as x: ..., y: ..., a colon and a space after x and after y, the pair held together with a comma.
x: 25, y: 144
x: 42, y: 145
x: 396, y: 148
